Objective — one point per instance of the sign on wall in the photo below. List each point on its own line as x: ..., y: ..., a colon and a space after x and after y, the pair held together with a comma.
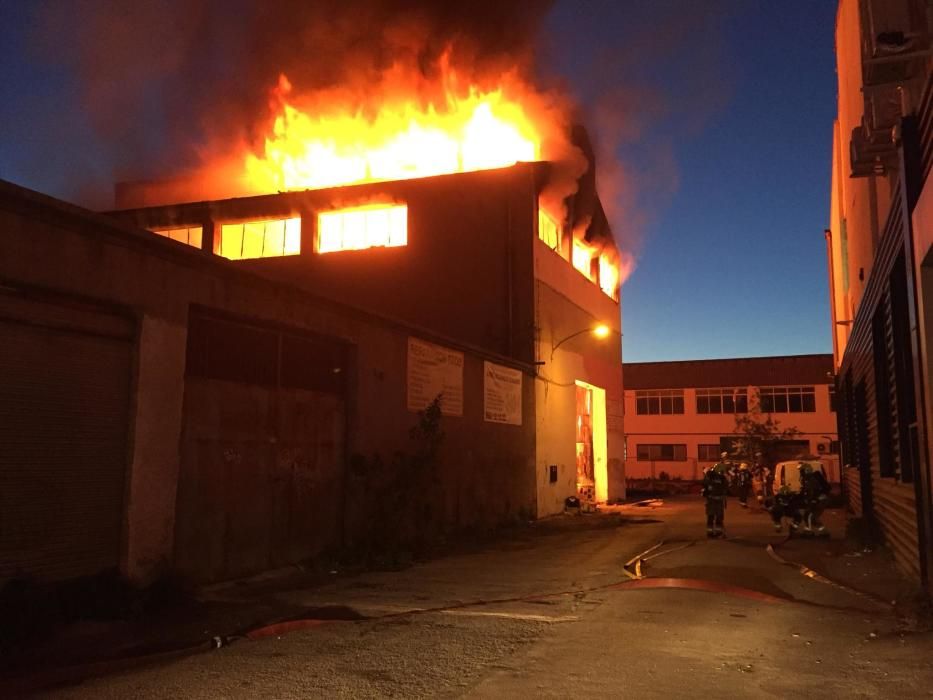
x: 434, y: 370
x: 502, y: 394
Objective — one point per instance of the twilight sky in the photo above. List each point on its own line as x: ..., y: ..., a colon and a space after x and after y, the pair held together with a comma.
x: 713, y: 121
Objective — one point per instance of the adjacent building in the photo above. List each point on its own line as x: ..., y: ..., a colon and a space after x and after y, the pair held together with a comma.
x: 679, y: 416
x: 881, y: 268
x: 225, y: 387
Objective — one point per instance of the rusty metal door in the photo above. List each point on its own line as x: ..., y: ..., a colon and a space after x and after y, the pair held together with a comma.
x: 65, y: 375
x: 262, y: 449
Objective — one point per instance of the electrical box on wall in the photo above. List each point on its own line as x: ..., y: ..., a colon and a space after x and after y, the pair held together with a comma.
x: 552, y: 474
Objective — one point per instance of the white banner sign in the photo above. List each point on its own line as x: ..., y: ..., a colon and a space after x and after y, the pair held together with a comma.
x: 432, y: 371
x: 502, y: 394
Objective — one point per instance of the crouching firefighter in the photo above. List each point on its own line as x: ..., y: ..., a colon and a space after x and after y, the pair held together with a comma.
x: 785, y: 504
x: 715, y: 488
x: 814, y: 492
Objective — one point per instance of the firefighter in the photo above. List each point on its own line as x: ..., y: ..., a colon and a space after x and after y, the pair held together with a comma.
x: 814, y: 492
x: 766, y: 477
x: 724, y: 466
x: 785, y: 505
x: 743, y: 480
x: 715, y: 488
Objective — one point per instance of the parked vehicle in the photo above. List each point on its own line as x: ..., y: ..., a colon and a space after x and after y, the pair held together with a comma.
x: 788, y: 473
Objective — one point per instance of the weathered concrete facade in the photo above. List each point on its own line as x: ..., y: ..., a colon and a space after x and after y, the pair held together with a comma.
x: 255, y: 458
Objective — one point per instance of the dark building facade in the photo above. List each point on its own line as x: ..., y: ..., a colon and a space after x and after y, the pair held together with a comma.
x: 247, y: 389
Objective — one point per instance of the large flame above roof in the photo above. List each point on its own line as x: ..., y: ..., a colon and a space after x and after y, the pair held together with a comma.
x: 409, y: 128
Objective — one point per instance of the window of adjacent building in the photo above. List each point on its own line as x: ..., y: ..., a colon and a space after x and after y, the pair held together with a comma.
x: 832, y: 398
x: 662, y: 453
x: 708, y: 453
x: 260, y: 239
x: 722, y: 400
x: 189, y: 235
x: 359, y: 228
x: 548, y: 231
x: 659, y: 402
x: 800, y: 399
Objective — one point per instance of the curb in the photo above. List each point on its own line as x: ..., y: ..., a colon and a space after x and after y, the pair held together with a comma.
x: 816, y: 576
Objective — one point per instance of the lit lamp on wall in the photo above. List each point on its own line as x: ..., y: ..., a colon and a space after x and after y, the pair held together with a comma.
x: 600, y: 331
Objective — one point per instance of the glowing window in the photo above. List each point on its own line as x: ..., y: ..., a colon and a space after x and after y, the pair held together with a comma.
x: 376, y: 226
x: 548, y: 231
x: 260, y: 239
x: 583, y: 258
x: 189, y: 235
x: 608, y: 277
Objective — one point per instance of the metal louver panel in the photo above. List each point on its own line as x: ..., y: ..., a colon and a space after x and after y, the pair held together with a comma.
x: 64, y: 406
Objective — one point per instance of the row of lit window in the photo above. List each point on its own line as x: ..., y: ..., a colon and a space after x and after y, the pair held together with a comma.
x: 595, y: 267
x: 772, y: 400
x: 345, y: 229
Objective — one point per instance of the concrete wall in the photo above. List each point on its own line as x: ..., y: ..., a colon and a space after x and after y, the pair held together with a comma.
x: 482, y: 222
x: 693, y: 429
x: 465, y: 272
x: 486, y: 474
x: 567, y: 302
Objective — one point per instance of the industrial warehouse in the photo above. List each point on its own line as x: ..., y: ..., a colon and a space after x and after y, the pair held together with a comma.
x: 243, y: 384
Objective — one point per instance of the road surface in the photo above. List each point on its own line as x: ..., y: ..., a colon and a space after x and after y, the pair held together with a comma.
x: 554, y: 613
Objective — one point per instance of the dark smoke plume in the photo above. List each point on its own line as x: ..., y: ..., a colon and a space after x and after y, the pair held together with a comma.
x: 167, y: 81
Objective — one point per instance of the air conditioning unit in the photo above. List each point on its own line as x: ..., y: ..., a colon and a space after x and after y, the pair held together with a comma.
x: 887, y: 28
x: 821, y: 448
x: 871, y: 151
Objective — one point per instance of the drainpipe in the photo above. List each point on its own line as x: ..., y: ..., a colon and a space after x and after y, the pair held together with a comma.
x: 832, y: 291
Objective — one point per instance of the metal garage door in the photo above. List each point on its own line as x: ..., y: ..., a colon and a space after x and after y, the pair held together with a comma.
x: 262, y: 450
x: 65, y: 374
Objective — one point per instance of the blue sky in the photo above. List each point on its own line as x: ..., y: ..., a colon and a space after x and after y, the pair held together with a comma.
x: 714, y: 119
x: 730, y: 247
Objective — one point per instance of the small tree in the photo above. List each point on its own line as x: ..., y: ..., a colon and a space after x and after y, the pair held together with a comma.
x: 756, y: 431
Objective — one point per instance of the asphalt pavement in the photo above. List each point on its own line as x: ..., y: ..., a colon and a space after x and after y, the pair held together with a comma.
x: 633, y: 603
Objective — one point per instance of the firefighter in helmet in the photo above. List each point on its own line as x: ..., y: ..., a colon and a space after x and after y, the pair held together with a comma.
x: 715, y: 489
x: 785, y: 505
x: 814, y: 492
x: 743, y: 481
x: 723, y: 466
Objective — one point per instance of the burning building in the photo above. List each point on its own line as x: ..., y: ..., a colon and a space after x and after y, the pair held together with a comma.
x: 407, y: 319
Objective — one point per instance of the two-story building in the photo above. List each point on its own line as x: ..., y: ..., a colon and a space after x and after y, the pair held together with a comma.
x: 679, y: 416
x: 228, y: 386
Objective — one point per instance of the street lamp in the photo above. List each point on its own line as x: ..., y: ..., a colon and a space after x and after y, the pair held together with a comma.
x: 600, y: 331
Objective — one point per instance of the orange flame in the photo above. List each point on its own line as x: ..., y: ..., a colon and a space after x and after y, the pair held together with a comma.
x: 339, y: 145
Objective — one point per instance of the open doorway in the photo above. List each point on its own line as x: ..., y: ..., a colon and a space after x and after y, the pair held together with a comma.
x: 592, y: 486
